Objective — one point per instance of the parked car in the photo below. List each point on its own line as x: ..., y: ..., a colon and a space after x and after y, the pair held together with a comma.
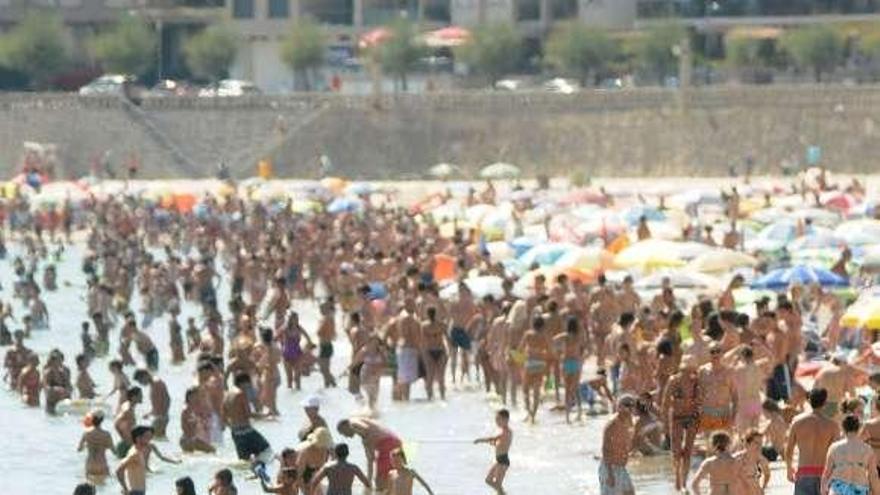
x: 108, y: 84
x: 230, y: 87
x: 509, y: 85
x: 562, y: 86
x: 170, y: 87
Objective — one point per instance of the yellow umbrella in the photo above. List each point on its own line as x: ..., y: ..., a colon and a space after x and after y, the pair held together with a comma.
x: 865, y: 314
x: 335, y: 184
x: 721, y: 260
x: 650, y: 255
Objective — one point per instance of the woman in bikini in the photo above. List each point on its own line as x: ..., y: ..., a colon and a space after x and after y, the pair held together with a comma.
x: 851, y: 466
x: 572, y: 351
x: 372, y: 360
x: 435, y: 353
x: 722, y: 469
x: 754, y: 468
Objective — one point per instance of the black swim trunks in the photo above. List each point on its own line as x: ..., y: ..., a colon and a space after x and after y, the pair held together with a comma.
x: 248, y: 442
x: 326, y: 350
x: 503, y: 459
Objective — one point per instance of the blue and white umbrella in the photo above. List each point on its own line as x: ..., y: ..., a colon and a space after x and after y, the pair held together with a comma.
x: 345, y: 205
x: 782, y: 278
x: 634, y: 214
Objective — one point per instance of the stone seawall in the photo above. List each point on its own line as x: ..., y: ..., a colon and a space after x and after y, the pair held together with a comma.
x: 612, y: 133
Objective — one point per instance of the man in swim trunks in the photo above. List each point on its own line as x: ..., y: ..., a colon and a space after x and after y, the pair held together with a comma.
x: 461, y: 312
x: 409, y: 343
x: 378, y: 442
x: 719, y: 393
x: 811, y: 433
x: 160, y: 400
x: 617, y: 439
x: 237, y: 414
x: 681, y: 409
x: 836, y: 377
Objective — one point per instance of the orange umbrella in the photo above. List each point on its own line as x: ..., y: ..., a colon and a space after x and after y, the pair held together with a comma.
x: 447, y: 37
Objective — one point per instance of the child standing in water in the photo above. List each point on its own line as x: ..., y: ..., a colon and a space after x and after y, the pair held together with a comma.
x: 402, y: 476
x: 501, y: 441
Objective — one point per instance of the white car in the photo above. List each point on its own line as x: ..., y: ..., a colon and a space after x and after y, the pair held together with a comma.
x: 230, y: 87
x: 108, y: 84
x: 562, y: 86
x: 508, y: 85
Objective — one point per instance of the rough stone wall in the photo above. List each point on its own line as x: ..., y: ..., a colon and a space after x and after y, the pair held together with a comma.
x: 620, y: 133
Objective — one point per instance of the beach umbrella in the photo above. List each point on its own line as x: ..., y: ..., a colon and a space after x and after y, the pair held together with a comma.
x: 545, y: 254
x: 447, y: 37
x: 334, y: 184
x: 870, y: 258
x: 817, y: 240
x: 824, y: 257
x: 480, y: 286
x: 345, y: 205
x: 721, y: 260
x: 374, y: 37
x: 500, y: 170
x: 634, y: 214
x: 862, y: 314
x: 584, y: 196
x: 859, y: 232
x: 782, y: 278
x: 499, y: 250
x: 838, y: 201
x: 360, y: 188
x: 586, y: 259
x: 523, y: 244
x: 679, y: 279
x: 655, y: 253
x: 443, y: 170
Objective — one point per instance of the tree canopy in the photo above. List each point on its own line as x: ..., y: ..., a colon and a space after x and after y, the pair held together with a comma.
x: 36, y: 47
x: 580, y: 51
x: 493, y: 50
x: 817, y: 48
x: 129, y: 47
x: 211, y: 52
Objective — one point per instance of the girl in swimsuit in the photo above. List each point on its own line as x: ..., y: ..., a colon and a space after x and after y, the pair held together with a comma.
x: 292, y: 350
x: 372, y: 360
x: 435, y: 353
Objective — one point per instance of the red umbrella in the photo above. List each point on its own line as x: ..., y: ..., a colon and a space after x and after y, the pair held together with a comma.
x: 584, y: 195
x: 447, y: 37
x: 839, y: 201
x: 374, y: 38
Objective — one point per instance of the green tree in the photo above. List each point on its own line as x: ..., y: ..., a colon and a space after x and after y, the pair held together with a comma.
x: 36, y: 48
x: 129, y: 47
x: 580, y: 51
x: 492, y: 51
x: 655, y: 52
x: 211, y: 52
x: 399, y: 54
x: 303, y: 50
x: 817, y: 48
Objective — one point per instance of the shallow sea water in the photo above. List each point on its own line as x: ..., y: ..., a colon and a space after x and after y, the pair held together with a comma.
x: 549, y: 458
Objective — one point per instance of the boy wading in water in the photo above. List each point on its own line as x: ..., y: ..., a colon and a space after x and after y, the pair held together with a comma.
x: 501, y: 442
x: 340, y: 474
x: 402, y: 476
x: 132, y: 471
